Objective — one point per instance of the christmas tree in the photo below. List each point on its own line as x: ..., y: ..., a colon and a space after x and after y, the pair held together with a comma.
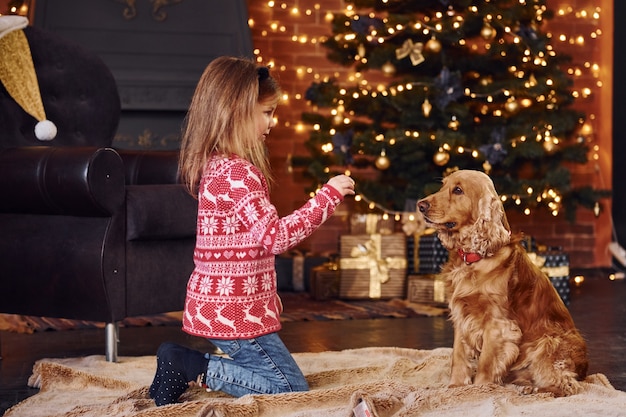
x: 441, y: 85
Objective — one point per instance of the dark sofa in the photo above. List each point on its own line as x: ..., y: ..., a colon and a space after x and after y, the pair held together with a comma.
x: 87, y: 231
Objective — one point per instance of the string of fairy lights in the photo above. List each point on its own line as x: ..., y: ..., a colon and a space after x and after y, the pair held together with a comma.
x: 587, y: 75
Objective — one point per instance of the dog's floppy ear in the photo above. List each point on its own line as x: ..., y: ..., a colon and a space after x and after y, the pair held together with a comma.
x: 491, y: 230
x: 490, y: 209
x: 505, y: 222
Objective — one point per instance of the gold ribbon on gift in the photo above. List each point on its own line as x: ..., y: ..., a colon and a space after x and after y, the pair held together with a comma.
x: 371, y: 223
x: 416, y: 252
x: 551, y: 271
x: 369, y: 256
x: 439, y: 290
x: 556, y: 271
x: 536, y: 259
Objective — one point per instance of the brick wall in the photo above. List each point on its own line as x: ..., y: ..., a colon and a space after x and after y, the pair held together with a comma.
x: 287, y: 38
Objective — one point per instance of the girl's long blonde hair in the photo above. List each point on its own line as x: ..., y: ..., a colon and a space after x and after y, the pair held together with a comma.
x: 221, y: 117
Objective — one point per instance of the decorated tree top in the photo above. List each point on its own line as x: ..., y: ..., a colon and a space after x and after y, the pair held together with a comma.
x: 441, y: 85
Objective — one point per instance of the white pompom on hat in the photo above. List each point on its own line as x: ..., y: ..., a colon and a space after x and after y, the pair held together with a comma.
x: 17, y: 74
x: 45, y: 130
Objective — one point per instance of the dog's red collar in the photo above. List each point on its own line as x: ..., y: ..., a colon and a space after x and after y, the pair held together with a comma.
x: 469, y: 257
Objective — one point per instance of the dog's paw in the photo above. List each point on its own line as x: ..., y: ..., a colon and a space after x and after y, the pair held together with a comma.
x: 525, y: 389
x: 564, y: 388
x: 569, y: 386
x: 459, y: 382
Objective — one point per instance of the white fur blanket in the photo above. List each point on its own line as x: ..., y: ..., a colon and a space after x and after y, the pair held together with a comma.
x: 391, y: 381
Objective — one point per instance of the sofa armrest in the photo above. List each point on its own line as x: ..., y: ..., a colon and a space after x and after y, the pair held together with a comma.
x: 81, y: 181
x: 148, y: 167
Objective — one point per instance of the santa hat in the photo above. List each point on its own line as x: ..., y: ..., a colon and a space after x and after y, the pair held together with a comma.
x: 17, y: 73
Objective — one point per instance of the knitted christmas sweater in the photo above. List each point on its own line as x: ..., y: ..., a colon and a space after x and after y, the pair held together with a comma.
x: 231, y: 293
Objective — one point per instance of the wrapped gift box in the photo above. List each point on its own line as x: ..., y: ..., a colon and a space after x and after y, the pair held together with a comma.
x: 372, y: 266
x: 325, y: 281
x: 427, y: 289
x: 293, y: 270
x: 562, y: 286
x: 555, y: 263
x: 425, y: 254
x: 556, y: 266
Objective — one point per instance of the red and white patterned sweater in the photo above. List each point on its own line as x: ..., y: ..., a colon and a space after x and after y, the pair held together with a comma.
x: 231, y: 293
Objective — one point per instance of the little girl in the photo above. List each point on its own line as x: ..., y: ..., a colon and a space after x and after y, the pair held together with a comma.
x: 231, y: 294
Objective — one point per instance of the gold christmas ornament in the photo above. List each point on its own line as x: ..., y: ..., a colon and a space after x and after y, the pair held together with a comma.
x: 17, y: 74
x: 441, y: 157
x: 388, y: 68
x: 361, y: 50
x: 487, y: 32
x: 487, y: 167
x: 426, y: 107
x: 433, y: 45
x: 454, y: 124
x: 382, y: 162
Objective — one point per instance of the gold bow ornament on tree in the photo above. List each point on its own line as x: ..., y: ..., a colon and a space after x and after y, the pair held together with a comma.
x: 412, y: 50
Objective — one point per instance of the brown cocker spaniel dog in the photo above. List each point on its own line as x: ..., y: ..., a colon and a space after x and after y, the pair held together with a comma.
x: 510, y: 325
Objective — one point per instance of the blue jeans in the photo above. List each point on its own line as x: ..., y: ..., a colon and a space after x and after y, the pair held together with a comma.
x: 261, y: 365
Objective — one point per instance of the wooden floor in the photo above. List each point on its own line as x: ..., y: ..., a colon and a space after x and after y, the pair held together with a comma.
x: 598, y: 308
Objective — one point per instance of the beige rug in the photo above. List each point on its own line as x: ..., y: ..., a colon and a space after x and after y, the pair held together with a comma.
x: 297, y: 307
x: 391, y: 381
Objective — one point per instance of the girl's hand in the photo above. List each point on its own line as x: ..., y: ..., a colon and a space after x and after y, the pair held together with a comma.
x: 343, y: 184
